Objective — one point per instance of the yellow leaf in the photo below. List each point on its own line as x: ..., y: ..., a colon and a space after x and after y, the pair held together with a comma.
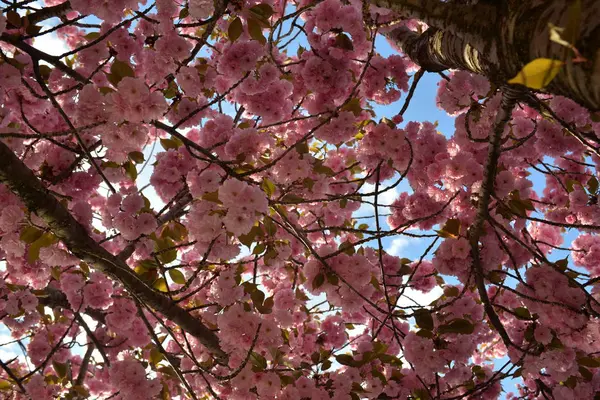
x: 450, y: 230
x: 161, y: 285
x: 155, y: 356
x: 538, y: 73
x: 5, y: 385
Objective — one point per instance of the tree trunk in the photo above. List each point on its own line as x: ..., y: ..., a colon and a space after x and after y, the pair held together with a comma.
x: 497, y: 41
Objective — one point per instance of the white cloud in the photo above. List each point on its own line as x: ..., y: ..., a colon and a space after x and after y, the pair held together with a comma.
x: 398, y: 245
x: 50, y: 44
x: 412, y: 297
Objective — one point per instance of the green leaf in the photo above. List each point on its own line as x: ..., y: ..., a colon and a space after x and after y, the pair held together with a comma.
x: 130, y: 170
x: 592, y: 185
x: 318, y: 281
x: 300, y: 51
x: 14, y: 18
x: 286, y: 380
x: 421, y: 394
x: 270, y: 227
x: 586, y: 373
x: 255, y: 30
x: 354, y: 106
x: 156, y: 356
x: 379, y: 347
x: 137, y: 157
x: 258, y: 361
x: 235, y: 29
x: 377, y: 374
x: 302, y: 147
x: 251, y: 237
x: 461, y: 326
x: 257, y: 296
x: 268, y: 187
x: 106, y: 90
x: 390, y: 359
x: 85, y: 268
x: 263, y: 11
x: 212, y: 196
x: 345, y: 359
x: 347, y: 248
x: 259, y: 249
x: 425, y: 333
x: 267, y: 306
x: 45, y: 240
x: 291, y: 198
x: 589, y: 362
x: 45, y: 72
x: 92, y: 36
x: 315, y: 357
x: 522, y: 313
x: 60, y: 368
x: 308, y: 183
x: 177, y: 276
x: 148, y: 264
x: 300, y: 295
x: 171, y: 90
x: 495, y: 277
x: 166, y: 256
x: 184, y: 13
x: 33, y: 30
x: 519, y: 206
x: 388, y: 122
x: 375, y: 283
x: 168, y: 370
x: 342, y: 41
x: 424, y: 319
x: 570, y: 184
x: 538, y: 73
x: 5, y: 385
x: 170, y: 143
x: 118, y: 71
x: 332, y: 278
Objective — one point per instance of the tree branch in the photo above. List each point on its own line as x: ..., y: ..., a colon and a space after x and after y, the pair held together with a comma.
x: 22, y: 182
x: 509, y: 99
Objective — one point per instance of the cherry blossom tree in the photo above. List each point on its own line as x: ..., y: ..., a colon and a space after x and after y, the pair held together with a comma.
x: 241, y: 268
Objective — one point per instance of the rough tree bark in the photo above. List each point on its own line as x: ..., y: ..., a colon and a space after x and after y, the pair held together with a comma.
x: 498, y: 40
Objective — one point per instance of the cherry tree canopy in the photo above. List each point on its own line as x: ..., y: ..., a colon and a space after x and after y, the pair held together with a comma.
x: 244, y: 269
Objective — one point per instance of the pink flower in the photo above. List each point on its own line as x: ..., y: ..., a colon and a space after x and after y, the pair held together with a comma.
x: 268, y: 384
x: 461, y: 248
x: 10, y: 218
x: 146, y: 223
x: 237, y: 223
